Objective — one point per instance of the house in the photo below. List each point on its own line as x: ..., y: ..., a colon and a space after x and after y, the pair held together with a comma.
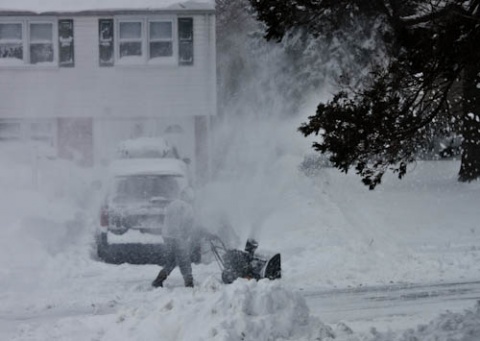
x: 85, y: 75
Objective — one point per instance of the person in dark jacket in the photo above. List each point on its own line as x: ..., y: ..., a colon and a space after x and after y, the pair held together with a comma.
x: 178, y: 236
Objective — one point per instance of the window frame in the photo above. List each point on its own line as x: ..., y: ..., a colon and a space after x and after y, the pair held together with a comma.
x: 145, y: 59
x: 26, y: 42
x: 54, y: 40
x: 10, y: 129
x: 20, y: 61
x: 172, y: 40
x: 118, y: 41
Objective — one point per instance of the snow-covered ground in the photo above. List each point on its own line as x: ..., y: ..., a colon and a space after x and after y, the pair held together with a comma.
x: 332, y: 232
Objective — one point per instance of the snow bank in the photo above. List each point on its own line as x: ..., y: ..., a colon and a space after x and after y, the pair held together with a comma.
x: 449, y: 326
x: 245, y: 310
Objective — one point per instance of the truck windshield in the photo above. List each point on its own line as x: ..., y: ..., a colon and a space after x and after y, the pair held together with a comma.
x: 146, y: 187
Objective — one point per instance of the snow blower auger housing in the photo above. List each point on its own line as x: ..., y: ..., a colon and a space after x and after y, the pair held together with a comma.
x: 245, y: 264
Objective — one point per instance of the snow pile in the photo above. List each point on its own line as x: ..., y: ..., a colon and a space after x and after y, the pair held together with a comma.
x: 448, y: 326
x: 245, y: 310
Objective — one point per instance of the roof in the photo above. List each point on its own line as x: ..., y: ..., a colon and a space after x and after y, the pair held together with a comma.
x: 85, y: 6
x: 126, y: 167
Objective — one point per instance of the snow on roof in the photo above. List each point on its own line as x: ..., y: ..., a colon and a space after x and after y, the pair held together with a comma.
x: 145, y: 147
x: 125, y: 167
x: 66, y: 6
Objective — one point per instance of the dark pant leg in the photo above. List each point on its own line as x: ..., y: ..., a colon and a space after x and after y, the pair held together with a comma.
x: 185, y: 264
x: 170, y: 255
x: 170, y: 263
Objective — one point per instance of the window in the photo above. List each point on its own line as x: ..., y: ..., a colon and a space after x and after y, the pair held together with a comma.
x: 41, y: 43
x: 130, y: 39
x: 27, y: 129
x: 11, y: 42
x: 145, y: 187
x: 41, y: 130
x: 10, y: 129
x: 36, y: 42
x: 146, y: 40
x: 160, y: 39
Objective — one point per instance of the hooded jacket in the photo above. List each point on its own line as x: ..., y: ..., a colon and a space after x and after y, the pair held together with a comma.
x: 179, y: 220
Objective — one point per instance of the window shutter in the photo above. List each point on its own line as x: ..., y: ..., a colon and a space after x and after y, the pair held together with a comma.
x: 105, y: 41
x: 65, y: 43
x: 185, y: 41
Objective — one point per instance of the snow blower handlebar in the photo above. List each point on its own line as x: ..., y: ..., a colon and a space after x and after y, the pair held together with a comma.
x: 217, y: 245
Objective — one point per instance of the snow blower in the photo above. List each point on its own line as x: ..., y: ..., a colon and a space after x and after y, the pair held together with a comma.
x: 245, y: 263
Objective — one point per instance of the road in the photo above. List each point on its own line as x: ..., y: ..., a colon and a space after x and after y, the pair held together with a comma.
x: 391, y: 307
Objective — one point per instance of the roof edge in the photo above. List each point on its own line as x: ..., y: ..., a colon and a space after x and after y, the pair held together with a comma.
x: 96, y: 13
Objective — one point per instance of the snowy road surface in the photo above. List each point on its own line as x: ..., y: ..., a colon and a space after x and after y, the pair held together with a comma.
x: 391, y: 307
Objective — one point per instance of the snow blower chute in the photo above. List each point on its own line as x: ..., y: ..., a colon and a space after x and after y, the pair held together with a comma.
x: 245, y: 264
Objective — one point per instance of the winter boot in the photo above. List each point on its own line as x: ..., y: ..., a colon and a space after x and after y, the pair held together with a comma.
x: 188, y: 282
x: 158, y: 282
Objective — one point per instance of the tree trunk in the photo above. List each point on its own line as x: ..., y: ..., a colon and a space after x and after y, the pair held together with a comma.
x: 470, y: 167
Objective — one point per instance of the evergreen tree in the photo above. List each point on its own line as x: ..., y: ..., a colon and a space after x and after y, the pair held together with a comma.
x: 430, y: 46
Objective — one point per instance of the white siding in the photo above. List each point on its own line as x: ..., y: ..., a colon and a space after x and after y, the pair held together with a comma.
x: 88, y: 90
